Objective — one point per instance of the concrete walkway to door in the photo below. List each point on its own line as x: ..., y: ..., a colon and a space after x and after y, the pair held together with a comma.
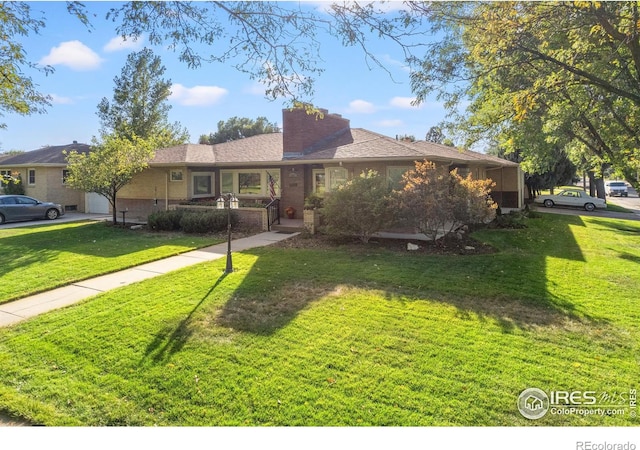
x: 19, y: 310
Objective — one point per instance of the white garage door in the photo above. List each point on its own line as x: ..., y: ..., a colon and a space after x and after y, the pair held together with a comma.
x: 96, y: 203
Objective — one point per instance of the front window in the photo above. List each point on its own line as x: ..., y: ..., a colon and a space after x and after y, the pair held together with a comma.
x: 32, y: 176
x: 250, y: 183
x: 65, y: 175
x: 319, y: 182
x: 337, y: 177
x: 329, y: 179
x: 202, y: 184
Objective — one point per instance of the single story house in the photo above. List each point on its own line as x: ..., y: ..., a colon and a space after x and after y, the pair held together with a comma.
x: 43, y: 173
x: 312, y: 154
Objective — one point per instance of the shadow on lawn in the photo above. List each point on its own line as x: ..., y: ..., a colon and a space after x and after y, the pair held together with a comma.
x: 171, y: 340
x: 46, y: 242
x: 510, y: 287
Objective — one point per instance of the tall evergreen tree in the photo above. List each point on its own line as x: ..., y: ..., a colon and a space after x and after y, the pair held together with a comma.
x: 140, y: 103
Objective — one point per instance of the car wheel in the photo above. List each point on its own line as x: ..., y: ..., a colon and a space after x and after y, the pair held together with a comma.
x: 1, y: 219
x: 548, y: 203
x: 589, y: 206
x: 52, y: 214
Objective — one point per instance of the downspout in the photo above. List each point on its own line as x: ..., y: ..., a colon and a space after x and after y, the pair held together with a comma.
x: 520, y: 175
x: 502, y: 186
x: 166, y: 190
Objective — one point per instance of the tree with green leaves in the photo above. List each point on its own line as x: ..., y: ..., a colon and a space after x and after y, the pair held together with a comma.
x: 18, y: 94
x: 276, y: 43
x: 140, y: 103
x: 571, y: 71
x: 238, y: 128
x: 12, y: 184
x: 109, y: 165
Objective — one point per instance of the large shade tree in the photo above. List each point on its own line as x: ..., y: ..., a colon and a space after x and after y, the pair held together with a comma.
x: 568, y: 70
x: 276, y: 43
x: 238, y: 128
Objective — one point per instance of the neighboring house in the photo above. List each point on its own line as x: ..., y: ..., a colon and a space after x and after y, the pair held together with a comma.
x: 43, y: 174
x: 310, y: 155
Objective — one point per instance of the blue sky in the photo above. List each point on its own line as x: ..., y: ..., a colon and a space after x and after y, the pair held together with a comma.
x: 87, y: 61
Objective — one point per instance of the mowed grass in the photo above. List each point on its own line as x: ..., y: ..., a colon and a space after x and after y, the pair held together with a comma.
x: 40, y: 258
x: 333, y: 338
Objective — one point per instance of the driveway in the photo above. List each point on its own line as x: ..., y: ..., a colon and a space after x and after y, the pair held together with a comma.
x: 68, y: 217
x: 632, y: 202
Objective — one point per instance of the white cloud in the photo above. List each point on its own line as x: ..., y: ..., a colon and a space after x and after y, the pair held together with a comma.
x: 255, y: 89
x: 388, y: 60
x: 118, y: 43
x: 73, y: 54
x: 361, y: 107
x: 403, y: 102
x: 391, y: 123
x: 197, y: 95
x: 60, y: 100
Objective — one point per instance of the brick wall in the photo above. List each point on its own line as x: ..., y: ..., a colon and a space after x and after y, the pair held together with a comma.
x: 302, y: 130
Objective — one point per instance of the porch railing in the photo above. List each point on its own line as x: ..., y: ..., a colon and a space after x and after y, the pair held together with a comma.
x: 273, y: 213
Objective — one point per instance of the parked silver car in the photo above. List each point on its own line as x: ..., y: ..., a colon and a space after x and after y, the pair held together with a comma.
x: 572, y: 197
x: 14, y: 208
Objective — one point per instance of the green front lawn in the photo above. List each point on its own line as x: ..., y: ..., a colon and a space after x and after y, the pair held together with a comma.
x: 39, y: 258
x: 336, y: 337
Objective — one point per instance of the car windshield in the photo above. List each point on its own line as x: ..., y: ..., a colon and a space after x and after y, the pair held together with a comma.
x: 617, y: 184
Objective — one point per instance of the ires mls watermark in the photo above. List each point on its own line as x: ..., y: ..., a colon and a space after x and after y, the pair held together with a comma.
x: 534, y: 403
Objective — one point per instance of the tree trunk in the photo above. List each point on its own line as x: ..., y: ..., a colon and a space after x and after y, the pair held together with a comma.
x: 112, y: 200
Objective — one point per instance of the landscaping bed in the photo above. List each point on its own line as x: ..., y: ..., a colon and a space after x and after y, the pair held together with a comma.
x: 451, y: 245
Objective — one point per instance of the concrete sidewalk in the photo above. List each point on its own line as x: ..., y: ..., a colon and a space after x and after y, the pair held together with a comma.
x: 16, y: 311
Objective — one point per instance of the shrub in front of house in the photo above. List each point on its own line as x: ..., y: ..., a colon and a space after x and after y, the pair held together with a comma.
x: 437, y: 201
x: 191, y: 221
x: 165, y: 220
x: 360, y: 207
x: 207, y: 221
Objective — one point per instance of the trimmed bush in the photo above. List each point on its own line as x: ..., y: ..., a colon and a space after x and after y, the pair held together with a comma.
x: 360, y: 207
x: 206, y: 221
x: 165, y: 220
x: 191, y: 221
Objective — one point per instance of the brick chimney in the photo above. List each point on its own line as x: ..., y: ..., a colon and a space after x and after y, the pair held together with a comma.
x: 303, y: 133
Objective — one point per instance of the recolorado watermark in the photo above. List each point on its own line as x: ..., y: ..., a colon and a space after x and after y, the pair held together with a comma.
x: 588, y: 445
x: 534, y: 403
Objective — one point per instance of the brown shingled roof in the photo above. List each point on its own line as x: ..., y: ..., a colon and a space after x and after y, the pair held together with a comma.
x: 434, y: 151
x: 355, y: 144
x: 362, y: 144
x: 192, y: 154
x: 45, y: 156
x: 263, y: 148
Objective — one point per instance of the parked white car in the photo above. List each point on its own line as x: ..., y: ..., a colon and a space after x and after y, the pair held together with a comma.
x: 616, y: 188
x: 571, y: 197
